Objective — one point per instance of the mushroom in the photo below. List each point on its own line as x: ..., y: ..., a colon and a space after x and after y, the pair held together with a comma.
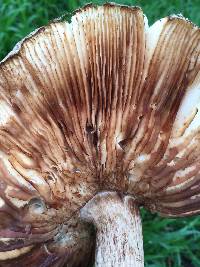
x: 98, y: 117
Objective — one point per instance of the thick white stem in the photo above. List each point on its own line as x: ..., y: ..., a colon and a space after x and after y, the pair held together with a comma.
x: 119, y: 241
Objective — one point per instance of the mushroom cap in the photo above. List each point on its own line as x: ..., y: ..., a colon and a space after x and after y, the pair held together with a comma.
x: 102, y: 103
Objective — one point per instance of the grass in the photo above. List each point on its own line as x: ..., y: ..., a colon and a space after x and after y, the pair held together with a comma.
x: 20, y: 17
x: 167, y: 242
x: 171, y: 242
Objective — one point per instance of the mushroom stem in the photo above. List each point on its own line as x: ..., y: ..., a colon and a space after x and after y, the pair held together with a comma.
x: 119, y: 239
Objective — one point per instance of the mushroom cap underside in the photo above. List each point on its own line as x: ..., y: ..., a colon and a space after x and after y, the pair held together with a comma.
x: 105, y: 102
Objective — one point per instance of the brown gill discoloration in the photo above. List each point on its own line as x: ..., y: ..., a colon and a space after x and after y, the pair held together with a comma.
x: 94, y: 104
